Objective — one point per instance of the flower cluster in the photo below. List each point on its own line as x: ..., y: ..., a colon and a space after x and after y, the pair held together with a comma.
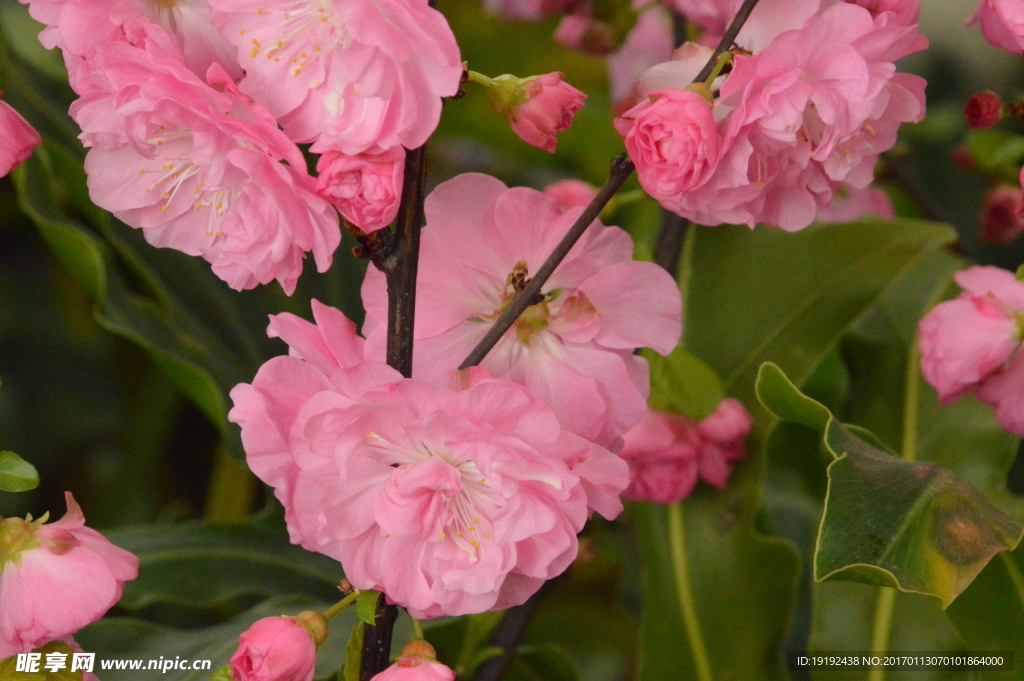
x: 452, y: 496
x: 55, y: 578
x: 972, y: 344
x: 667, y: 452
x: 805, y: 113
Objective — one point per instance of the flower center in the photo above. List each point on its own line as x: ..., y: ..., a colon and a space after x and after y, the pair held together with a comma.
x: 303, y: 31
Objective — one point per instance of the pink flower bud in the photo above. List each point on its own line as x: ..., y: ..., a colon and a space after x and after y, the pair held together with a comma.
x: 1000, y: 219
x: 56, y: 578
x: 571, y: 193
x: 965, y: 341
x: 365, y: 188
x: 416, y: 663
x: 983, y: 110
x: 17, y: 139
x: 549, y: 110
x: 274, y: 649
x: 672, y: 138
x: 585, y: 34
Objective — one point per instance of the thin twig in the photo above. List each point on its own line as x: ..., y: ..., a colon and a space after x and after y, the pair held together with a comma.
x: 727, y: 40
x: 670, y: 240
x: 622, y: 168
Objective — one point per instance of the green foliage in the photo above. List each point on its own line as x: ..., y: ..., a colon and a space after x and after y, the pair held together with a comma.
x: 543, y: 662
x: 8, y: 667
x: 890, y: 521
x: 366, y: 605
x: 354, y: 653
x: 16, y: 474
x: 684, y: 384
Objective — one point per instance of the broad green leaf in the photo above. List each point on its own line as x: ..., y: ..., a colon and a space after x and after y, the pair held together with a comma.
x: 201, y: 566
x: 989, y: 615
x: 752, y: 297
x: 684, y: 384
x: 996, y: 151
x: 366, y: 605
x: 932, y: 534
x: 122, y: 638
x: 354, y: 653
x: 16, y: 474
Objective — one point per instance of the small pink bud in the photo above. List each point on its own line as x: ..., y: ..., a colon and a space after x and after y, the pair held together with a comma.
x: 537, y: 108
x: 365, y: 188
x: 416, y: 663
x: 983, y: 110
x: 1000, y: 219
x: 17, y: 139
x: 274, y: 649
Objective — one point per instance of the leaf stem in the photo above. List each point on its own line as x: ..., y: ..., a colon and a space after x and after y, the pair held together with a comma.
x: 340, y: 605
x: 417, y: 629
x: 677, y: 547
x: 882, y: 629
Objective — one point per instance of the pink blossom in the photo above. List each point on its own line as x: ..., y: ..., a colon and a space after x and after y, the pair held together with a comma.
x: 548, y: 110
x: 571, y: 193
x: 274, y: 649
x: 197, y: 166
x: 528, y: 10
x: 667, y: 452
x: 808, y: 113
x: 1002, y: 23
x: 648, y: 43
x: 965, y: 341
x: 584, y: 33
x: 1000, y: 220
x: 418, y: 662
x: 351, y: 76
x: 712, y: 16
x: 854, y: 204
x: 1004, y: 391
x: 366, y: 188
x: 56, y: 578
x: 672, y: 139
x: 79, y: 26
x: 575, y: 347
x: 452, y: 497
x: 17, y: 138
x: 905, y: 12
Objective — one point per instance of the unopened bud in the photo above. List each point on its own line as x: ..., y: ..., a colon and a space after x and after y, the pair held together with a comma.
x: 419, y: 648
x: 1000, y: 221
x: 585, y: 34
x: 983, y: 110
x: 314, y: 623
x: 963, y: 158
x: 346, y: 587
x: 703, y: 90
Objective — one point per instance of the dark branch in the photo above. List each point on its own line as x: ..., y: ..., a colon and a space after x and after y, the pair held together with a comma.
x: 377, y: 640
x: 670, y: 240
x: 727, y: 40
x: 622, y: 168
x: 508, y: 636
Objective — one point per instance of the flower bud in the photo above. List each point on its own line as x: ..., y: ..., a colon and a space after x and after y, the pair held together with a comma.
x: 275, y: 649
x: 1000, y: 219
x: 416, y: 663
x: 366, y: 188
x: 17, y: 138
x: 983, y: 110
x: 315, y: 624
x: 585, y: 34
x: 537, y: 107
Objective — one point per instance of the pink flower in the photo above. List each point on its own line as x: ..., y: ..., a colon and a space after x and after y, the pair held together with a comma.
x: 1004, y: 391
x: 79, y: 26
x: 451, y: 497
x: 808, y: 113
x: 351, y: 76
x: 548, y: 110
x: 17, y: 138
x: 1002, y: 23
x: 854, y: 204
x: 672, y: 139
x: 1000, y: 220
x: 198, y: 167
x: 274, y: 649
x: 983, y: 110
x: 667, y: 452
x: 571, y: 193
x: 965, y: 341
x: 528, y: 10
x: 56, y: 578
x: 905, y: 12
x: 648, y: 43
x: 365, y: 188
x: 416, y: 663
x: 584, y: 33
x: 575, y: 347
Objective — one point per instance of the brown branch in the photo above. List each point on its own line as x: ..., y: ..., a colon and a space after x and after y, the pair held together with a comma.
x: 377, y: 640
x: 727, y: 40
x: 670, y: 240
x: 622, y: 168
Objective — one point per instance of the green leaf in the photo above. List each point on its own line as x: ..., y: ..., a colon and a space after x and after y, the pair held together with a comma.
x: 684, y: 384
x: 201, y: 566
x: 752, y: 297
x: 542, y: 662
x: 366, y: 605
x: 889, y: 521
x: 16, y: 474
x: 354, y: 653
x: 122, y: 638
x: 8, y: 666
x: 995, y: 151
x: 223, y: 674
